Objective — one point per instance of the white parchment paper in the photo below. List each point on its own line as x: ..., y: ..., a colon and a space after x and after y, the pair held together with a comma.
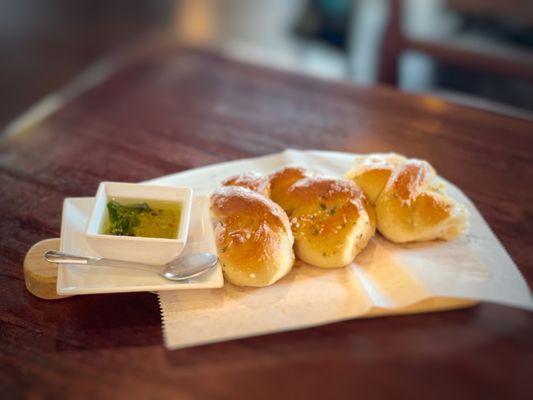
x: 385, y: 278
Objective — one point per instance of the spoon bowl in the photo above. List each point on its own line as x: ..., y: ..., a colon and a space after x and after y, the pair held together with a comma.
x: 186, y: 267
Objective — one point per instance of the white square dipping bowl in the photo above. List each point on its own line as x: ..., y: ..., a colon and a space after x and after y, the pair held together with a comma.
x: 137, y: 249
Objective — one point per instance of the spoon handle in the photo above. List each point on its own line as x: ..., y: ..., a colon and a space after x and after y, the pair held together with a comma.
x: 64, y: 258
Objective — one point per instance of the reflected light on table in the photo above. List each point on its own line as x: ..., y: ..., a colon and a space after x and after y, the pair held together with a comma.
x: 195, y: 21
x: 433, y: 103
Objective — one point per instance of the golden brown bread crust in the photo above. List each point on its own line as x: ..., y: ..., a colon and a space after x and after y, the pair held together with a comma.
x: 372, y: 172
x: 250, y: 180
x: 281, y: 180
x: 253, y: 237
x: 411, y: 204
x: 331, y: 219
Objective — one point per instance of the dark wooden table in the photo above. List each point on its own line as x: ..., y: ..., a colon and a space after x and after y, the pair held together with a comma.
x: 169, y: 109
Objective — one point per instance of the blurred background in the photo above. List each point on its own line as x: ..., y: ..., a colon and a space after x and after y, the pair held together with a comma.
x: 475, y: 52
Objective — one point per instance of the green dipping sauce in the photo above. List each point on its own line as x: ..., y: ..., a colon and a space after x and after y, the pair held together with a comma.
x: 154, y: 219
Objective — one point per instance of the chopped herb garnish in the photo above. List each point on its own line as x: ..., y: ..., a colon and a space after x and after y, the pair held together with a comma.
x: 143, y: 220
x: 124, y: 218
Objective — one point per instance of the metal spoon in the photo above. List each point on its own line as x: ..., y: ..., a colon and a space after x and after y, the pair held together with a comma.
x: 179, y: 269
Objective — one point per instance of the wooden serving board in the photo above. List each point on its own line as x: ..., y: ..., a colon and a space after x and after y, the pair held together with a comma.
x: 40, y: 276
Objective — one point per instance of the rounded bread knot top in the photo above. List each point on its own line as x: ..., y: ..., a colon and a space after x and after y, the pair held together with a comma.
x: 372, y: 172
x: 331, y: 218
x: 250, y: 180
x: 253, y: 237
x: 411, y: 203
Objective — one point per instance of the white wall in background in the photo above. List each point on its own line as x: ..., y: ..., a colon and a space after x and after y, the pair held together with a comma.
x: 369, y: 19
x: 427, y: 19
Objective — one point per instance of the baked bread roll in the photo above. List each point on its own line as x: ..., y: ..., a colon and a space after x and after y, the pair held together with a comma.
x: 253, y: 237
x: 250, y: 180
x: 372, y: 172
x: 331, y: 218
x: 411, y: 204
x: 281, y: 181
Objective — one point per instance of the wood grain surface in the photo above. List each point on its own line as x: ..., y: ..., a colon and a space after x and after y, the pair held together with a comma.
x: 169, y: 109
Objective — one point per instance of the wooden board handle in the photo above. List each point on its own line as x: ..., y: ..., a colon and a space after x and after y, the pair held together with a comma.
x: 40, y: 275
